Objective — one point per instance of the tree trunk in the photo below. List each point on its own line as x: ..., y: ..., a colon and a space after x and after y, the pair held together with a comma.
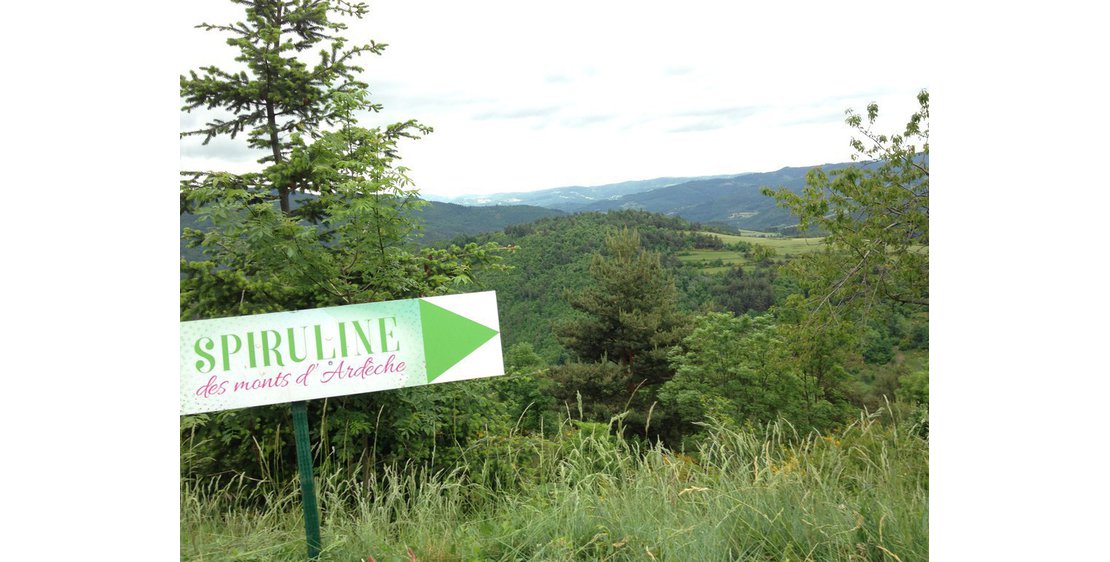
x: 275, y: 145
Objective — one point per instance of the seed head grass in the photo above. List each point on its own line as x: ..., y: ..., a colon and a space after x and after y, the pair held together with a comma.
x: 584, y: 493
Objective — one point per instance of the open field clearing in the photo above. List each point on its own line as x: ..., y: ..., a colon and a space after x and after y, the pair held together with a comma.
x: 717, y: 261
x: 781, y: 245
x: 728, y: 257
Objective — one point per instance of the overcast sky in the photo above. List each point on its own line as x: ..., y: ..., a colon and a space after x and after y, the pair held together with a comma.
x: 534, y: 95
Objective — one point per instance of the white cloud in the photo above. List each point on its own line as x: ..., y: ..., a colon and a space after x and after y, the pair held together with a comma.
x: 527, y: 96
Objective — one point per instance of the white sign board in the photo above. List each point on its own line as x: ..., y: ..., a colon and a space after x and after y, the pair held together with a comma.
x: 283, y: 357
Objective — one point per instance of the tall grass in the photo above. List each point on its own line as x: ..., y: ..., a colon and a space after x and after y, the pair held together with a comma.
x: 583, y: 494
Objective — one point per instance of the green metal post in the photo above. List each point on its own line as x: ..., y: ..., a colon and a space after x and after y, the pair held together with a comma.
x: 308, y: 486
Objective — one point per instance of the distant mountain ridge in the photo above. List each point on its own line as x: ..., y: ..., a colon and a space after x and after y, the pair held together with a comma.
x: 735, y: 200
x: 441, y: 221
x: 444, y: 221
x: 573, y: 198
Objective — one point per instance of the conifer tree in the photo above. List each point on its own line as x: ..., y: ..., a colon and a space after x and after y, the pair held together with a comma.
x: 629, y: 313
x: 327, y: 220
x: 279, y: 95
x: 628, y: 321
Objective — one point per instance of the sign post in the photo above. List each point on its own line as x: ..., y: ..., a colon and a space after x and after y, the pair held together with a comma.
x: 292, y: 357
x: 308, y: 484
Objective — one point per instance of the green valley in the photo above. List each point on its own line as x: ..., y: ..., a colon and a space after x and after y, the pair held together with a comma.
x: 695, y: 368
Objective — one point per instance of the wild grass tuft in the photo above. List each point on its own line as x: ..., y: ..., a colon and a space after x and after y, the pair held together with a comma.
x: 582, y: 493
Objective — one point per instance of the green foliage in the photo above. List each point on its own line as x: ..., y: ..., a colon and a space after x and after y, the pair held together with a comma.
x: 762, y: 254
x: 739, y: 292
x: 278, y: 95
x: 914, y: 387
x: 525, y: 392
x: 877, y: 347
x: 874, y: 269
x: 732, y: 369
x: 601, y: 389
x: 552, y: 256
x: 626, y: 322
x: 822, y: 350
x: 749, y: 251
x: 327, y: 221
x: 345, y: 245
x: 629, y: 311
x: 876, y: 218
x: 918, y: 336
x: 522, y: 359
x: 445, y: 221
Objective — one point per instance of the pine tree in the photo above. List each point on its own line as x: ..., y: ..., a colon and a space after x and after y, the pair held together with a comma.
x: 327, y: 220
x: 278, y: 95
x: 628, y: 320
x: 629, y: 313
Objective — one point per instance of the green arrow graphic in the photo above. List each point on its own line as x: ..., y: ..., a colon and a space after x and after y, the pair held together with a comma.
x: 448, y: 338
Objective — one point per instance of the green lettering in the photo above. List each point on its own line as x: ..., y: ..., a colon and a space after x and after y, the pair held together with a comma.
x: 388, y: 337
x: 320, y: 345
x: 227, y: 353
x: 250, y: 350
x: 266, y: 348
x: 293, y: 346
x: 363, y: 337
x: 199, y: 348
x: 342, y: 340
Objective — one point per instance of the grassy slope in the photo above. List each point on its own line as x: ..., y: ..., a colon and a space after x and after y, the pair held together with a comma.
x: 782, y: 246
